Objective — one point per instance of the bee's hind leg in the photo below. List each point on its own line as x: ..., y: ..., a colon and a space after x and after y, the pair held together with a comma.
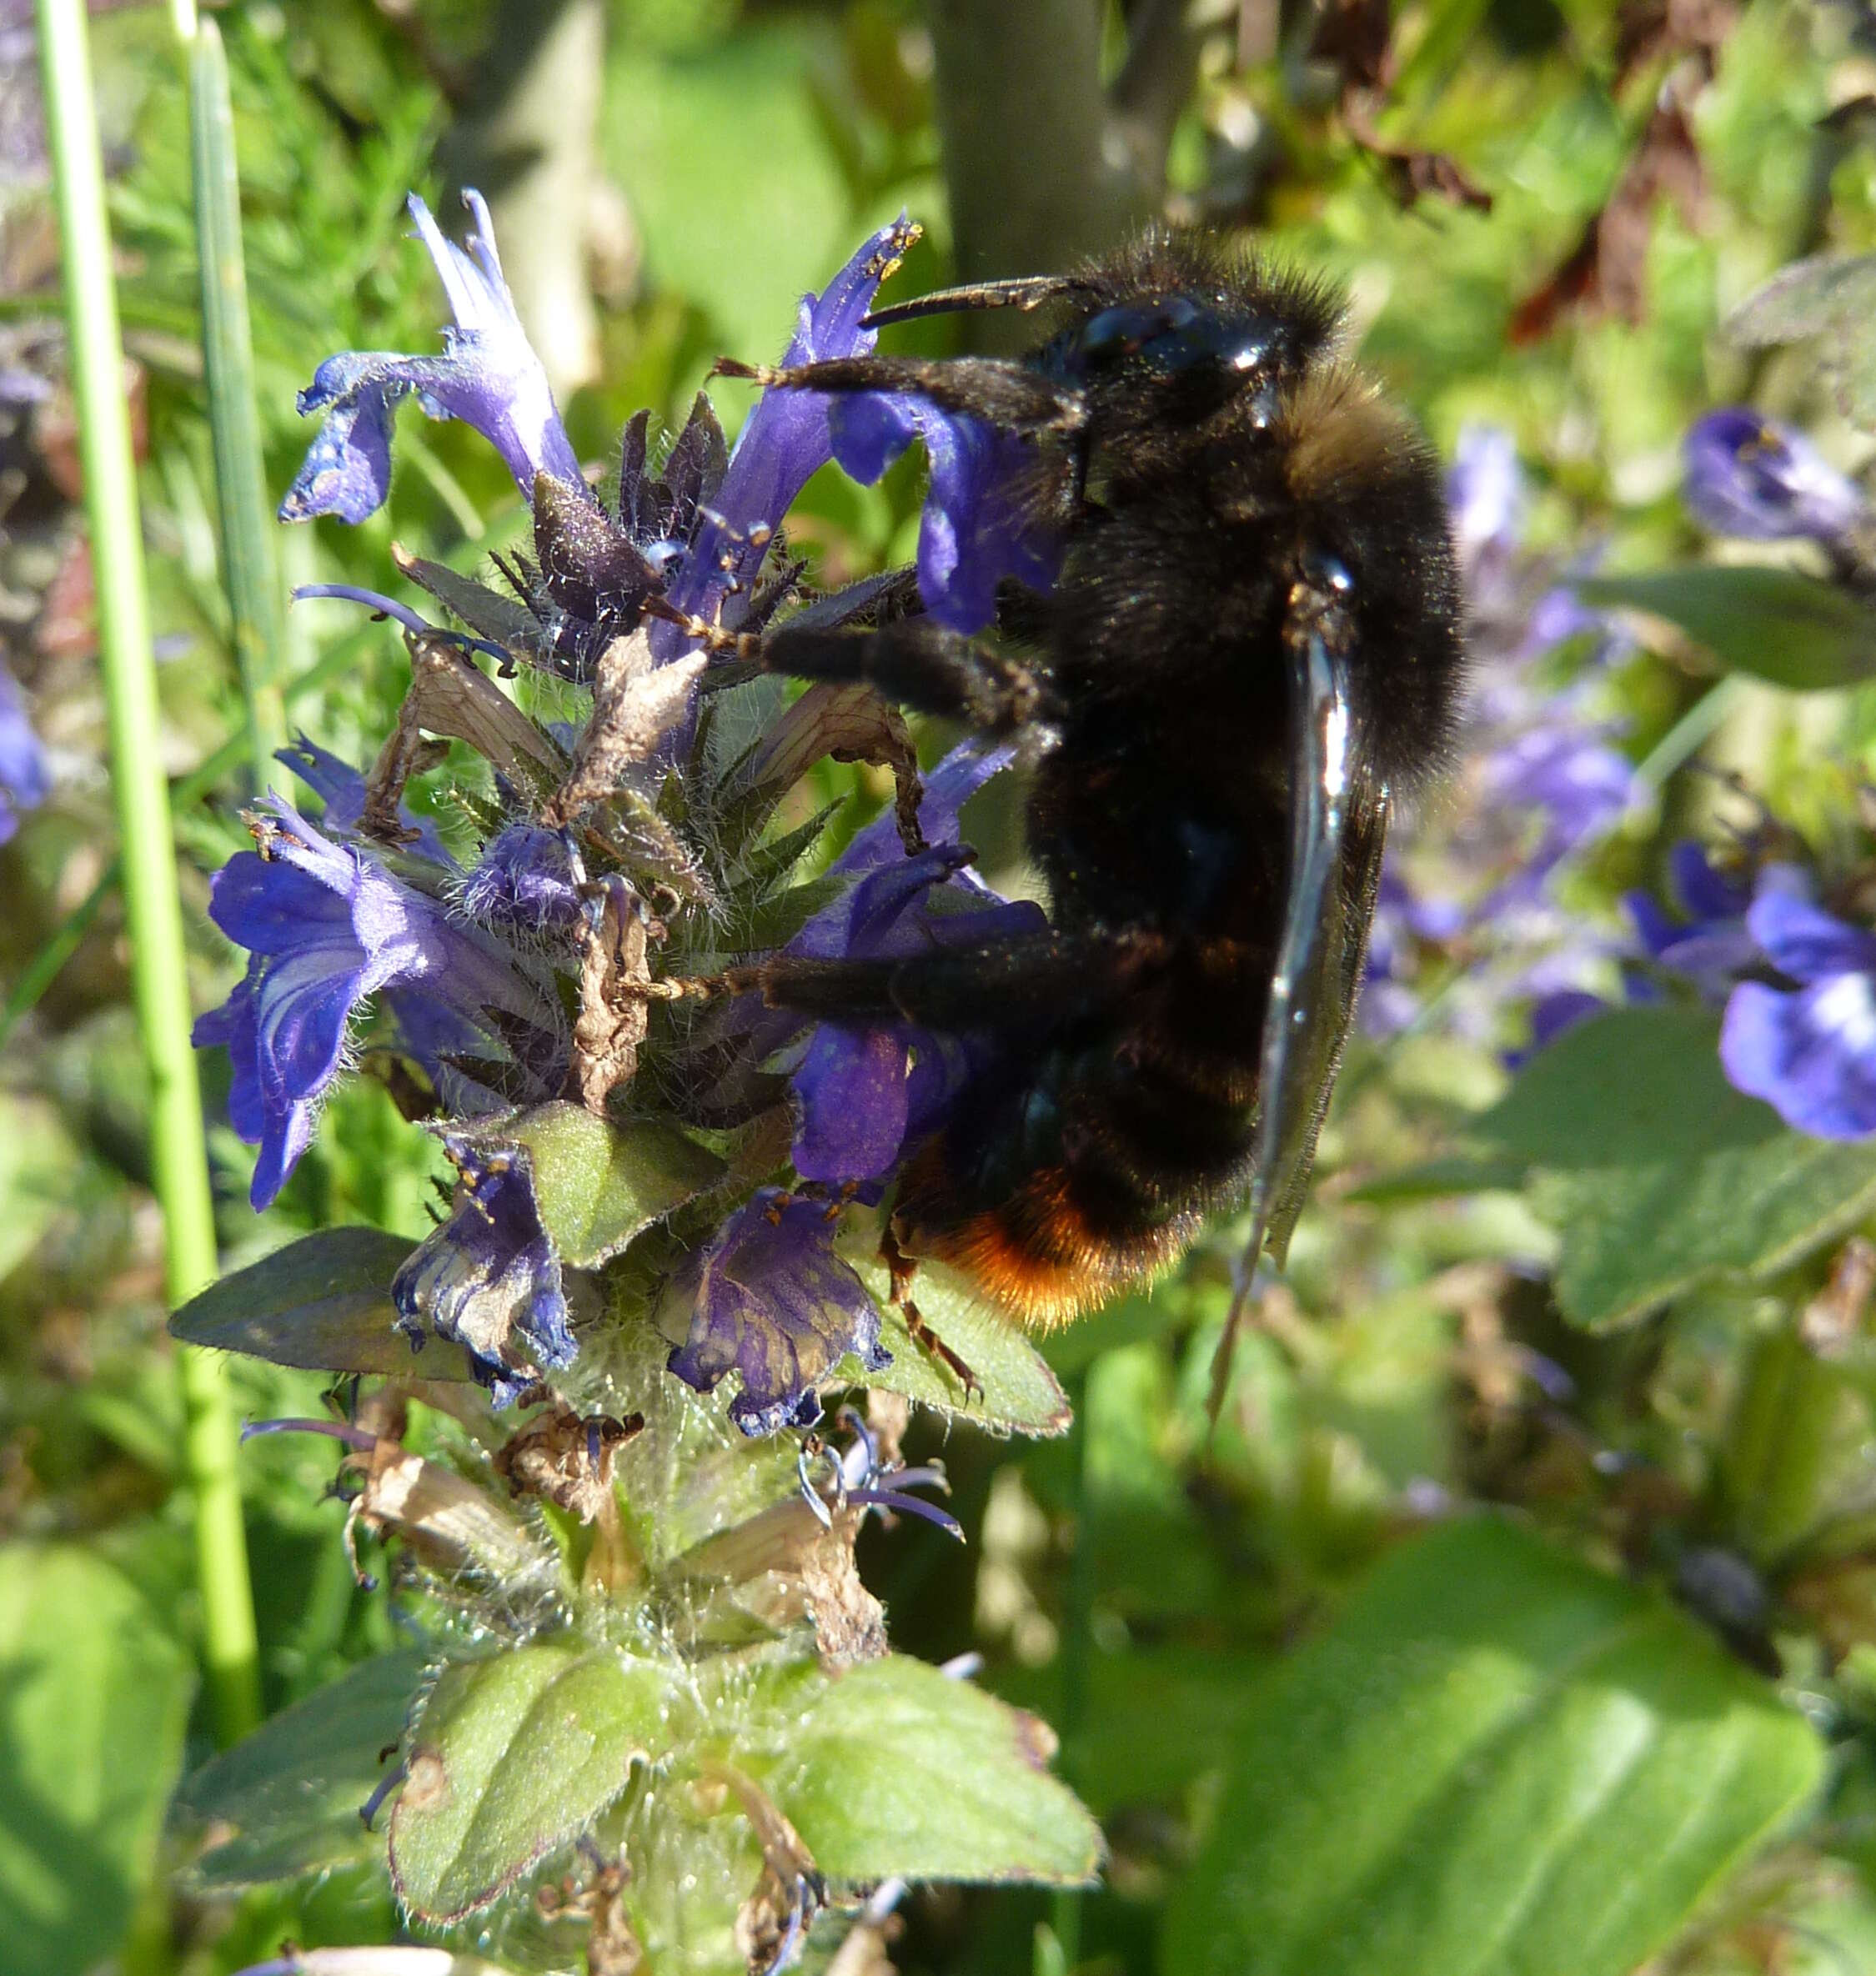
x: 901, y: 1268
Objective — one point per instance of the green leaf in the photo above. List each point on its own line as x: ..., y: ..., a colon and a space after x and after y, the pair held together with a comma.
x: 1496, y: 1762
x: 512, y: 1756
x: 95, y: 1696
x: 1777, y: 625
x: 285, y: 1801
x: 321, y: 1303
x: 598, y: 1184
x: 898, y: 1770
x: 1830, y: 297
x: 1658, y: 1175
x: 1021, y: 1395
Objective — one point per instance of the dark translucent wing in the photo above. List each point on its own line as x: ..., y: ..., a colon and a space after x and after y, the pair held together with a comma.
x: 1338, y: 826
x: 1366, y: 840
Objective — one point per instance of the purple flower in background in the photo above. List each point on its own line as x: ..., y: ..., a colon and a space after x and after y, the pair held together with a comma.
x: 1568, y: 786
x: 865, y: 1092
x: 25, y: 774
x: 488, y: 1274
x: 1753, y: 477
x: 1711, y: 945
x: 1809, y: 1049
x: 488, y: 376
x: 770, y: 1301
x: 326, y: 928
x: 975, y: 529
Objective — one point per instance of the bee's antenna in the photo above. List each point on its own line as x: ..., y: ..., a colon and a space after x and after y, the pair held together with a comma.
x: 1027, y: 293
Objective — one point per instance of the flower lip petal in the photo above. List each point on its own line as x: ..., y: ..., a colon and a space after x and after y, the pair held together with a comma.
x: 1806, y: 942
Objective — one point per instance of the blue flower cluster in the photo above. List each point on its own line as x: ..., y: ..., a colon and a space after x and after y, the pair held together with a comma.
x: 473, y: 964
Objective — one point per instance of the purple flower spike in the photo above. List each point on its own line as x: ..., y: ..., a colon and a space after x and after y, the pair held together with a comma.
x: 488, y: 1274
x: 327, y: 928
x: 974, y: 531
x: 1751, y: 476
x: 25, y: 775
x: 488, y: 376
x: 784, y: 443
x: 1810, y: 1050
x: 771, y: 1301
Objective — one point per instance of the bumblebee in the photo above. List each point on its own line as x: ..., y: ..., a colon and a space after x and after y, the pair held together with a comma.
x: 1251, y: 655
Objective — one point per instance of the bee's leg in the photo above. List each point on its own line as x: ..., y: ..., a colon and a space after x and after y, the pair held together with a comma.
x: 901, y: 1269
x: 1014, y: 396
x: 917, y: 662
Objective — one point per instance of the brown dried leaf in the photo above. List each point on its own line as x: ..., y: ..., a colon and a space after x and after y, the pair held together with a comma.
x: 612, y: 1021
x: 634, y: 706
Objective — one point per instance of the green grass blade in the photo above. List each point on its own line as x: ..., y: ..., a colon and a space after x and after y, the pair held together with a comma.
x: 245, y: 513
x: 158, y: 975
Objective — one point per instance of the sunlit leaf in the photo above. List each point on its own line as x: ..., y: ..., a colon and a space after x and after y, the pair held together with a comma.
x: 1019, y: 1396
x: 1830, y: 297
x: 94, y: 1694
x: 896, y: 1770
x: 286, y: 1800
x: 1496, y: 1760
x: 512, y: 1756
x: 1777, y: 625
x: 1658, y: 1175
x: 322, y: 1303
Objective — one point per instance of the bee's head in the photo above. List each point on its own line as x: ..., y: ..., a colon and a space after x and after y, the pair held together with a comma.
x: 1187, y: 351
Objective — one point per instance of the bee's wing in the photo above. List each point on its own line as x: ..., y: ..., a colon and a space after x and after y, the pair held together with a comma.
x: 1328, y: 1013
x: 1339, y: 828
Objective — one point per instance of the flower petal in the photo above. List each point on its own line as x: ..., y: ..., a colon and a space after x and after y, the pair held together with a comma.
x: 771, y: 1301
x: 1811, y: 1055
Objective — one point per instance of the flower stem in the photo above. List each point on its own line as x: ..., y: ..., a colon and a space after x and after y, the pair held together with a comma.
x: 242, y: 505
x: 178, y: 1153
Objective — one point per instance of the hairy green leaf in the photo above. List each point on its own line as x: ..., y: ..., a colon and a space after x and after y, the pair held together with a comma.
x: 897, y: 1770
x: 321, y: 1303
x: 512, y: 1756
x: 1496, y: 1762
x: 94, y: 1694
x: 1777, y: 625
x: 285, y: 1801
x: 1019, y: 1396
x: 1658, y: 1175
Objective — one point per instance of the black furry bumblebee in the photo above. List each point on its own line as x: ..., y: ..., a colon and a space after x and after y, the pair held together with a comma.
x: 1252, y: 652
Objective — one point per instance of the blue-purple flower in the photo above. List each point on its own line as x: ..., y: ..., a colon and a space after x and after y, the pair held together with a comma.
x: 1710, y: 944
x: 488, y: 376
x: 977, y: 527
x: 1751, y: 476
x: 784, y: 442
x: 25, y: 774
x: 327, y: 928
x: 1808, y: 1044
x: 523, y: 881
x: 770, y: 1301
x: 865, y: 1092
x: 487, y: 1275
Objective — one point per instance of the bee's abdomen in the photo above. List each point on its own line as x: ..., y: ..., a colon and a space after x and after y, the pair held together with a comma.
x: 1093, y: 1171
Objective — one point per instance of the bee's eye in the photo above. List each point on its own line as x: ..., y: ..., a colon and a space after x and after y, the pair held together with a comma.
x: 1174, y: 335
